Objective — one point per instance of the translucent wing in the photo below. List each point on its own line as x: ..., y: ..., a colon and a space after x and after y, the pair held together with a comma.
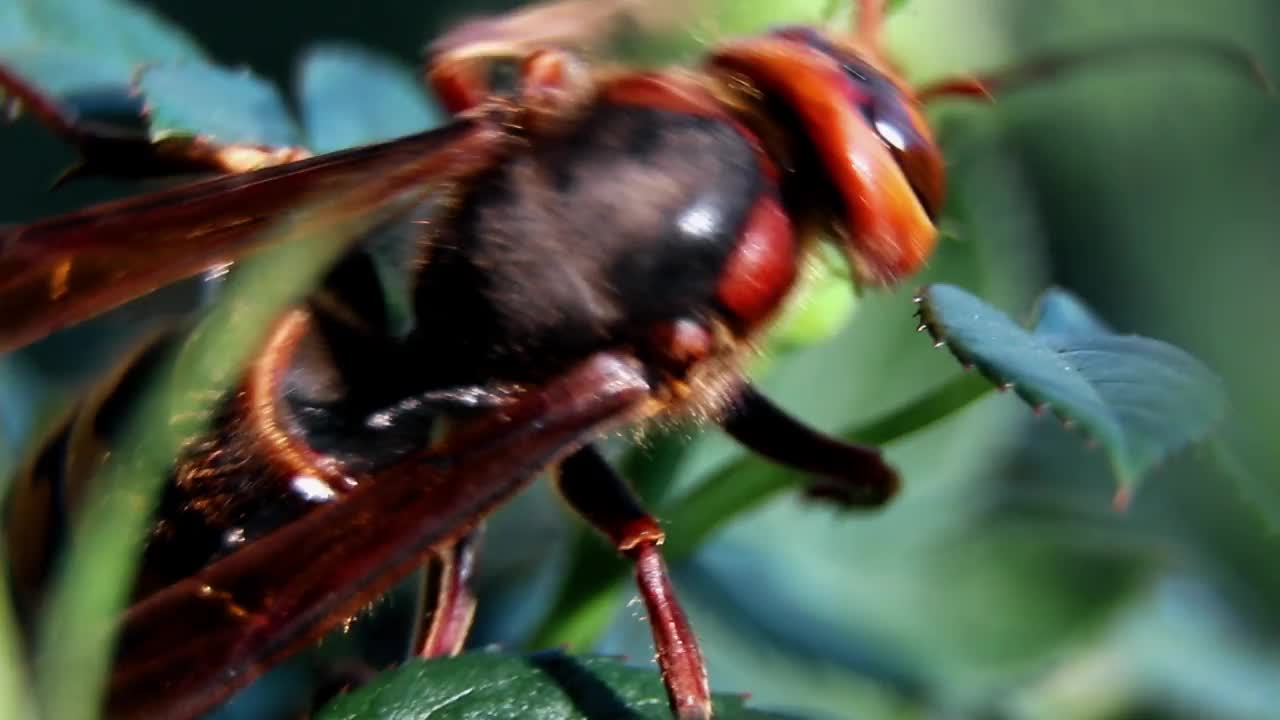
x: 61, y: 271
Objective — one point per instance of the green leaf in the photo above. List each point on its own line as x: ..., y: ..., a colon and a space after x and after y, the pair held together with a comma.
x: 350, y: 96
x: 226, y: 105
x: 549, y: 686
x: 1141, y: 398
x: 821, y: 305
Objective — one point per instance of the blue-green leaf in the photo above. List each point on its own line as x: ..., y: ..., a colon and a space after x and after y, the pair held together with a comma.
x: 1141, y: 398
x: 1061, y: 313
x: 88, y: 52
x: 214, y: 102
x: 547, y: 686
x: 85, y: 52
x: 350, y: 96
x: 62, y: 72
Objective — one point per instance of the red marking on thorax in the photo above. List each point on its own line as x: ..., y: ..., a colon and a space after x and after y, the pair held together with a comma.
x: 762, y: 267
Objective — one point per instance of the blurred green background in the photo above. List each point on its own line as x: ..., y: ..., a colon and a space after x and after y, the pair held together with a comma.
x: 1000, y: 584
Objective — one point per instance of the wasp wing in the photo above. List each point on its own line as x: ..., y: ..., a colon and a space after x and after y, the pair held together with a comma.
x: 62, y: 271
x: 240, y: 615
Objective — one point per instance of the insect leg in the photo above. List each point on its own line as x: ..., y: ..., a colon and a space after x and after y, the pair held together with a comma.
x: 244, y: 612
x: 447, y: 605
x: 462, y: 80
x: 459, y: 63
x: 1051, y: 65
x: 849, y: 474
x: 869, y: 23
x: 579, y: 24
x: 108, y: 150
x: 603, y: 499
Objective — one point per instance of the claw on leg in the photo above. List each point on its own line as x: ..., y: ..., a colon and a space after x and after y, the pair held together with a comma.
x: 847, y: 473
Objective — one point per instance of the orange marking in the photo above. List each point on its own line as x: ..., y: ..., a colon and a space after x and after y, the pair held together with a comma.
x: 59, y: 279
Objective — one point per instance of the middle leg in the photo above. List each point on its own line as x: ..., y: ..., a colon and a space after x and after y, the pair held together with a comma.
x: 602, y: 498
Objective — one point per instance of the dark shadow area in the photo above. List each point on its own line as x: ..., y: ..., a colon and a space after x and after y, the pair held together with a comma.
x: 589, y: 694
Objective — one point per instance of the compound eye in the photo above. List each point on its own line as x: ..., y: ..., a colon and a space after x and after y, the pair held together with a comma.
x: 901, y: 130
x: 885, y: 106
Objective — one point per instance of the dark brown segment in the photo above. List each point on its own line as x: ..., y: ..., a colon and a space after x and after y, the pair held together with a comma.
x: 35, y: 522
x: 243, y: 613
x: 595, y: 491
x: 45, y: 495
x: 846, y: 473
x: 600, y: 496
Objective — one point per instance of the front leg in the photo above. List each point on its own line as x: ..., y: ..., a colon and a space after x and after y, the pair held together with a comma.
x: 603, y: 499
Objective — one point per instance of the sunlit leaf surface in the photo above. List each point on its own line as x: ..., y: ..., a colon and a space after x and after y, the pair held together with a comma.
x: 1141, y: 398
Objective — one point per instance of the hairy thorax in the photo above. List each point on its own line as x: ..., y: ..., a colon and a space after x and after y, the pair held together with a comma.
x: 623, y: 219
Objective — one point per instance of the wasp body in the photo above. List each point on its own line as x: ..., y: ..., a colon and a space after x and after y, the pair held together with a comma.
x: 591, y: 249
